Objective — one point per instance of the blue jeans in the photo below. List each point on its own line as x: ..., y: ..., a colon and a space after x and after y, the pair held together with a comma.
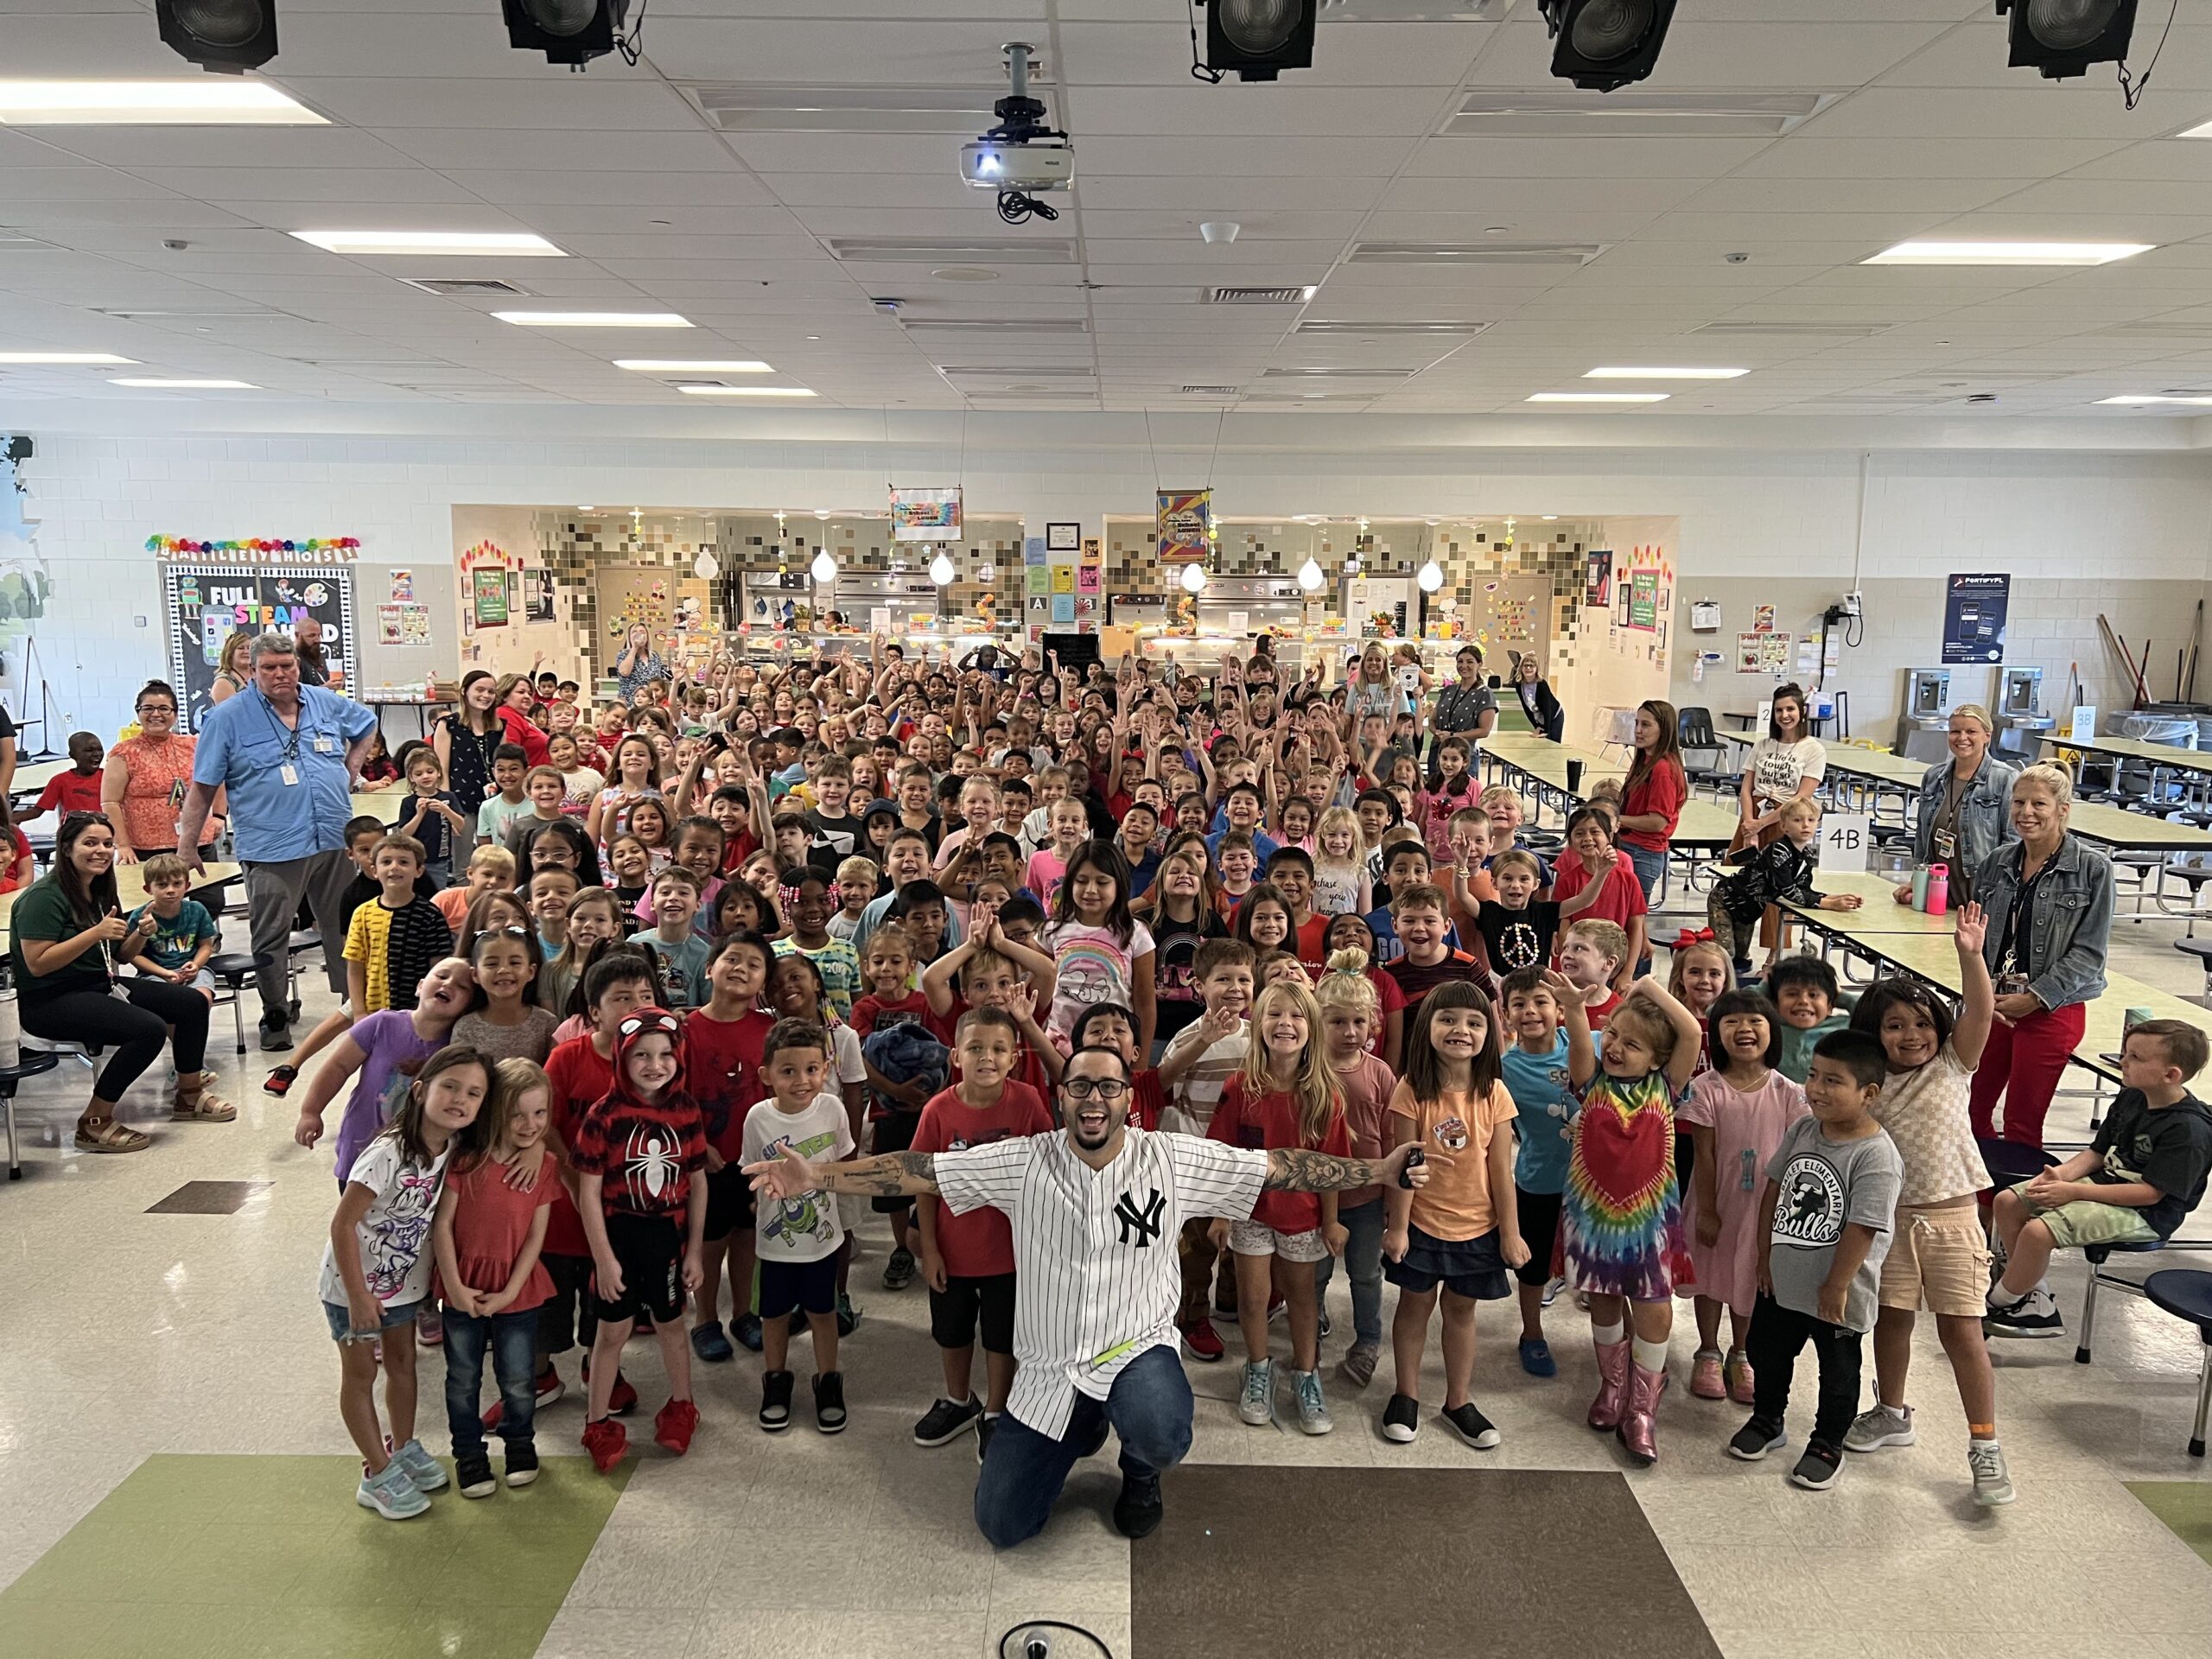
x: 1650, y: 869
x: 1364, y: 1262
x: 512, y: 1338
x: 1148, y: 1406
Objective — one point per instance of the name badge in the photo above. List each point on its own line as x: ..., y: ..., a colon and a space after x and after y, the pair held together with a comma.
x: 325, y: 745
x: 1947, y: 846
x: 288, y: 773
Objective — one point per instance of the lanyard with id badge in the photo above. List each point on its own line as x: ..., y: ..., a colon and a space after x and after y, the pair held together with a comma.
x: 288, y: 744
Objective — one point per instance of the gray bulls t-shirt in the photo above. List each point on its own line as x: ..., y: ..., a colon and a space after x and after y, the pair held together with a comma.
x: 1825, y: 1187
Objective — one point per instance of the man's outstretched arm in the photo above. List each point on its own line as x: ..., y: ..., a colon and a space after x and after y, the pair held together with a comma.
x: 1294, y: 1169
x: 911, y: 1174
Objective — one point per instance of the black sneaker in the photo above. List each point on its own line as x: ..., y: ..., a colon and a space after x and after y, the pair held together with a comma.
x: 473, y: 1474
x: 1755, y: 1439
x: 829, y: 1402
x: 745, y: 1327
x: 1402, y: 1419
x: 2034, y: 1315
x: 1474, y: 1427
x: 711, y: 1343
x: 1325, y: 1323
x: 775, y: 1401
x: 1138, y: 1510
x: 947, y: 1420
x: 277, y: 1038
x: 1817, y: 1470
x: 986, y: 1426
x: 849, y: 1317
x: 899, y: 1271
x: 522, y: 1463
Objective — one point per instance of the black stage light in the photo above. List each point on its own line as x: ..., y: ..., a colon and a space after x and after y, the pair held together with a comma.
x: 1257, y: 39
x: 2063, y: 38
x: 1605, y: 44
x: 228, y: 36
x: 573, y: 32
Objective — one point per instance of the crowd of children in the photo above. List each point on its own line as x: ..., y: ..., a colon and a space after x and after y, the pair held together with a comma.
x: 877, y: 909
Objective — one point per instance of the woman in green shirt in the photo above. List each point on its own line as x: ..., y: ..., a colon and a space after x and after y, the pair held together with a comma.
x: 68, y: 933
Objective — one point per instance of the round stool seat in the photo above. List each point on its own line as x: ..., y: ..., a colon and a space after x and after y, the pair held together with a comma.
x: 232, y: 965
x: 305, y: 940
x: 2010, y: 1163
x: 29, y: 1063
x: 2200, y: 949
x: 2185, y: 1293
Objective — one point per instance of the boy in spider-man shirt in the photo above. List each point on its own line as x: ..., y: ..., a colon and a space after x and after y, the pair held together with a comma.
x: 640, y: 1157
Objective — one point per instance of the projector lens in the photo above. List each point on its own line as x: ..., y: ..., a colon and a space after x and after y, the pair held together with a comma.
x: 221, y: 23
x: 2068, y: 25
x: 1605, y: 29
x: 563, y: 17
x: 1258, y: 28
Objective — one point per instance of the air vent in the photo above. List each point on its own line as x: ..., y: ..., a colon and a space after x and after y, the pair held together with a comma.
x: 1546, y: 114
x: 458, y: 285
x: 1023, y: 370
x: 996, y: 325
x: 1378, y: 328
x: 1212, y: 392
x: 1472, y: 253
x: 1255, y: 296
x: 1795, y: 330
x: 2156, y: 328
x: 962, y: 110
x: 1312, y: 397
x: 197, y: 314
x: 940, y: 250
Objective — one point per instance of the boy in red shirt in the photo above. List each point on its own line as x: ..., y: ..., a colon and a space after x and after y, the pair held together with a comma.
x: 721, y: 1067
x: 1420, y: 911
x: 1591, y: 952
x: 77, y: 791
x: 968, y: 1260
x: 640, y: 1157
x: 987, y: 966
x: 1290, y: 869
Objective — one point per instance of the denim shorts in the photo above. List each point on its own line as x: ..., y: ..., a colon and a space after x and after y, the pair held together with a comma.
x: 1473, y: 1267
x: 341, y: 1317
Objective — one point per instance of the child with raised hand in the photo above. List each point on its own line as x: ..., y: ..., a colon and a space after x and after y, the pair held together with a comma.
x: 382, y: 1053
x: 1340, y: 863
x: 968, y: 1260
x: 1831, y: 1190
x: 184, y: 935
x: 1544, y: 1027
x: 640, y: 1157
x: 1461, y: 1239
x: 1600, y: 883
x: 1938, y: 1256
x: 1517, y: 929
x: 488, y: 1237
x: 1620, y: 1215
x: 1737, y: 1113
x: 1285, y: 1096
x: 505, y: 1025
x: 375, y: 1270
x: 722, y: 1064
x: 1350, y: 1011
x: 798, y: 1239
x: 1101, y: 953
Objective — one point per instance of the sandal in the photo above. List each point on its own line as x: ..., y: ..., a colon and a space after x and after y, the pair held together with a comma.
x: 106, y: 1134
x: 197, y: 1103
x: 281, y: 1079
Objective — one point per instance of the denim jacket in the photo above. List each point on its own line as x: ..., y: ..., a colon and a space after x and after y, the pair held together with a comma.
x: 2072, y: 922
x: 1985, y: 813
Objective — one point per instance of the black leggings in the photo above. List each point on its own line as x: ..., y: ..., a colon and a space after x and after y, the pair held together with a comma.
x: 135, y: 1029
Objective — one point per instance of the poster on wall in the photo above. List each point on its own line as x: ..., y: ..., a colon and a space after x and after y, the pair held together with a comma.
x: 402, y: 587
x: 204, y: 604
x: 537, y: 601
x: 1184, y: 519
x: 1774, y: 654
x: 490, y: 586
x: 1974, y: 617
x: 1747, y: 652
x: 1643, y: 599
x: 402, y: 625
x: 1762, y: 618
x: 1598, y: 588
x: 925, y: 515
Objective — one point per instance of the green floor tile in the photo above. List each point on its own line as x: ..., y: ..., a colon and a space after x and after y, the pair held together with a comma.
x: 244, y: 1556
x: 2185, y: 1507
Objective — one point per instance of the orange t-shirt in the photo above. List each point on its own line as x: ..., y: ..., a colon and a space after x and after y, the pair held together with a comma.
x: 1455, y: 1205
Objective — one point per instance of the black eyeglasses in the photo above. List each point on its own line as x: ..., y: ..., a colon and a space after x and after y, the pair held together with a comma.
x: 1103, y: 1087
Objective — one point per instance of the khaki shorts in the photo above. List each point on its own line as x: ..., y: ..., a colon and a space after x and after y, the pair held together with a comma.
x: 1938, y: 1259
x: 1254, y: 1238
x: 2086, y: 1222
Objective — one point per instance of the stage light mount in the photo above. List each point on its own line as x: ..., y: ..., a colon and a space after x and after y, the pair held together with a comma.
x: 575, y: 32
x: 1604, y: 45
x: 225, y: 37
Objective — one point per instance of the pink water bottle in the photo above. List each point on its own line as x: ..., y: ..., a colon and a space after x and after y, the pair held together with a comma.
x: 1939, y: 889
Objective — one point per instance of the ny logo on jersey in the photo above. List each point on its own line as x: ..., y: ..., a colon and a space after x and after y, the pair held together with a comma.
x: 1141, y: 1226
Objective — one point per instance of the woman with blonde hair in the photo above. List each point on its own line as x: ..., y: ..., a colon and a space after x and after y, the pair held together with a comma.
x: 233, y: 667
x: 1965, y: 811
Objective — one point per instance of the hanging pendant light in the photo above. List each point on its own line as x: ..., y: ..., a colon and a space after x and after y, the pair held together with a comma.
x: 1194, y: 577
x: 824, y: 567
x: 941, y: 570
x: 706, y: 567
x: 1309, y: 575
x: 1430, y: 576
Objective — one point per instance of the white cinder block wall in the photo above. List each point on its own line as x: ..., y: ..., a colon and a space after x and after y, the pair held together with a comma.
x: 1746, y: 517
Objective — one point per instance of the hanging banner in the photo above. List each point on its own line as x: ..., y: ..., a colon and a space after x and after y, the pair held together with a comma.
x: 925, y: 515
x: 1973, y: 618
x: 1598, y: 592
x: 1185, y: 518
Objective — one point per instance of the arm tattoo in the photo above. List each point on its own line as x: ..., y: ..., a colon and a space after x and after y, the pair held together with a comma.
x: 892, y: 1175
x: 1294, y: 1169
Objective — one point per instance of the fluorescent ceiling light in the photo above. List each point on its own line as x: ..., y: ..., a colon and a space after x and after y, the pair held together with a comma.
x: 214, y: 101
x: 2008, y: 253
x: 1598, y: 398
x: 694, y: 365
x: 595, y: 318
x: 1664, y: 374
x: 2136, y: 400
x: 188, y: 385
x: 747, y: 392
x: 2201, y: 130
x: 64, y: 356
x: 520, y: 244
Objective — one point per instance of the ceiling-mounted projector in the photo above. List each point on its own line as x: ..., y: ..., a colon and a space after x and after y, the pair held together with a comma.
x: 1020, y: 154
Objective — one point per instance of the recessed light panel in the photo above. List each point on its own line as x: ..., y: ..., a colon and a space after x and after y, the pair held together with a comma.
x: 515, y: 245
x: 1664, y: 374
x: 2136, y: 401
x: 1598, y: 398
x: 745, y: 392
x: 187, y: 386
x: 65, y: 357
x: 217, y: 100
x: 2008, y: 253
x: 595, y: 318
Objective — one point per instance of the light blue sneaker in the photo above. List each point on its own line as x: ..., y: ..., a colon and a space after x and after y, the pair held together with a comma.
x: 390, y: 1493
x: 424, y: 1469
x: 1258, y: 1406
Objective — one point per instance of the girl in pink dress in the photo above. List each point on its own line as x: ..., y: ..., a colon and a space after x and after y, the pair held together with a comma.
x: 1736, y: 1113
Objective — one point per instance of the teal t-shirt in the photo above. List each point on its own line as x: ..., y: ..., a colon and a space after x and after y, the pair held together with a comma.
x: 1797, y: 1045
x: 178, y: 938
x: 1544, y: 1104
x: 682, y: 975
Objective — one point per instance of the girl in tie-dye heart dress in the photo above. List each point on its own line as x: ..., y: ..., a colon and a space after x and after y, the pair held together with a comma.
x: 1620, y: 1226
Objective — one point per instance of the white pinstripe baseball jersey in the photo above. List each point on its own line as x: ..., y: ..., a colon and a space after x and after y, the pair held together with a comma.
x: 1098, y: 1276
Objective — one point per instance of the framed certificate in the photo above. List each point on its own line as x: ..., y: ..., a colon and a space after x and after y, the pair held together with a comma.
x: 1062, y: 538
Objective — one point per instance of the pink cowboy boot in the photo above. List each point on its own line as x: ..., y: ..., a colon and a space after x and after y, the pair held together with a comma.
x: 1636, y: 1430
x: 1612, y: 1387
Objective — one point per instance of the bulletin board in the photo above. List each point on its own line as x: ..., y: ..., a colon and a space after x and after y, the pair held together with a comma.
x: 203, y: 603
x: 673, y: 605
x: 1511, y: 612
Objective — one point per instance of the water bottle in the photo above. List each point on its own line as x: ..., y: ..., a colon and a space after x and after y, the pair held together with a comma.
x: 1920, y: 887
x: 1939, y: 889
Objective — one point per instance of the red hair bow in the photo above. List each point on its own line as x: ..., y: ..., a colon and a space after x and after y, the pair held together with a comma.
x: 1690, y: 936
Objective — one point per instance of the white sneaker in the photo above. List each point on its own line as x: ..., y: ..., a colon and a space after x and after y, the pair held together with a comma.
x: 1257, y: 1408
x: 1313, y: 1410
x: 1993, y: 1481
x: 1879, y: 1427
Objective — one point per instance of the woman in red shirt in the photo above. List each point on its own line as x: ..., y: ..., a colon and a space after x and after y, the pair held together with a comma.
x: 1651, y: 799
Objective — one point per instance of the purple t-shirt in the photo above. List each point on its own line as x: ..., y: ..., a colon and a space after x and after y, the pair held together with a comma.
x: 390, y: 1041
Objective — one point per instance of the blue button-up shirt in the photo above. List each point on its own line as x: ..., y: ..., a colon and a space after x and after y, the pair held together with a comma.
x: 245, y: 749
